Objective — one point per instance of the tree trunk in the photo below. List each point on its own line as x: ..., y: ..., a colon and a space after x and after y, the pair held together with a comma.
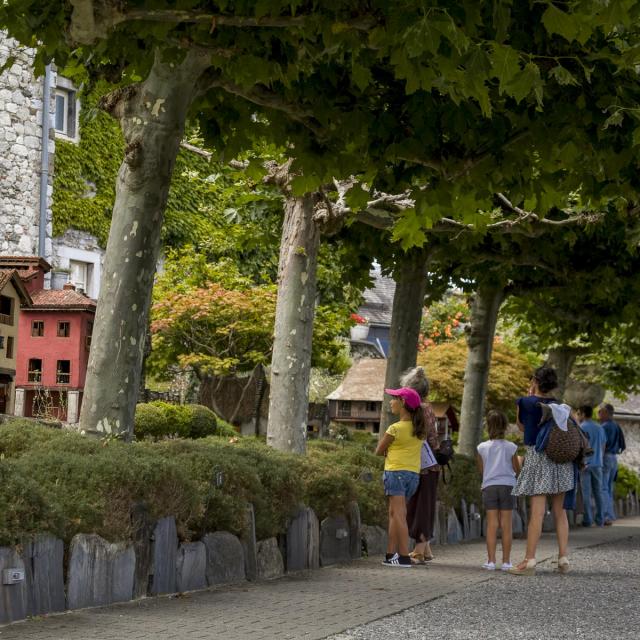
x: 261, y: 387
x: 295, y: 308
x: 562, y: 360
x: 152, y: 117
x: 408, y: 301
x: 481, y: 332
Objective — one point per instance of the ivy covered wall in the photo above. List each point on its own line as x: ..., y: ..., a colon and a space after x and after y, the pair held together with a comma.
x: 85, y: 178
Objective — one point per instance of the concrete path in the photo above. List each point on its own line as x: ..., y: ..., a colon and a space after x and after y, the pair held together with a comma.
x: 306, y: 606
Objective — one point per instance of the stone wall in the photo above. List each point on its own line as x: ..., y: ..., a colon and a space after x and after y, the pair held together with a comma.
x: 631, y: 456
x: 20, y: 152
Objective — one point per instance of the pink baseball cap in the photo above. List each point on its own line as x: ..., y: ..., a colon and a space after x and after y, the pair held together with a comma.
x: 410, y: 396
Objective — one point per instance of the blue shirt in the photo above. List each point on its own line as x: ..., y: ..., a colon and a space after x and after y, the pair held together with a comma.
x: 597, y: 439
x: 530, y: 414
x: 614, y: 441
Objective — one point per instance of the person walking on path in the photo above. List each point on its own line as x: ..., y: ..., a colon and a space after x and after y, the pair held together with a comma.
x: 421, y: 509
x: 541, y: 477
x: 591, y: 474
x: 401, y: 444
x: 615, y: 445
x: 498, y: 462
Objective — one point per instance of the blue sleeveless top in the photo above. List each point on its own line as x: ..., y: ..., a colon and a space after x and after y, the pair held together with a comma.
x: 530, y: 414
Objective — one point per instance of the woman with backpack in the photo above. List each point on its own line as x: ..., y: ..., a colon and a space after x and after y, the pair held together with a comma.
x: 421, y: 509
x: 541, y: 477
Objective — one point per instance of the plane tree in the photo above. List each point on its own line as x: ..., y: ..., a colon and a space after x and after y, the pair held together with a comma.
x: 350, y: 89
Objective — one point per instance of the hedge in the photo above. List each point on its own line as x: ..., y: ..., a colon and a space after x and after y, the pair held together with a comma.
x: 157, y: 420
x: 60, y: 482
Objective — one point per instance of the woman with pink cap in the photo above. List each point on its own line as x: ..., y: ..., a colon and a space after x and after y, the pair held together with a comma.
x: 401, y: 444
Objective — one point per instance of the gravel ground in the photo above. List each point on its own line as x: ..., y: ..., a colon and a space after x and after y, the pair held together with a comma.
x: 598, y: 600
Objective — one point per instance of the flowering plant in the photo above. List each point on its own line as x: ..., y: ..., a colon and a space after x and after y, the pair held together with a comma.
x: 359, y: 319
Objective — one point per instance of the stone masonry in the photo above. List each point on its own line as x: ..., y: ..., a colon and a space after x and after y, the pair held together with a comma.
x: 20, y: 152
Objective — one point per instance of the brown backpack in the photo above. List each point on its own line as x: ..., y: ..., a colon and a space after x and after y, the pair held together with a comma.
x: 571, y: 445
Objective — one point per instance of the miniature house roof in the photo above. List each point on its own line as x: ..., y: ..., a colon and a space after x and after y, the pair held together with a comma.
x: 364, y: 381
x: 13, y: 277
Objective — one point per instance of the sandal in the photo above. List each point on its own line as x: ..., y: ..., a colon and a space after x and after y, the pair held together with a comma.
x: 526, y: 568
x: 417, y: 558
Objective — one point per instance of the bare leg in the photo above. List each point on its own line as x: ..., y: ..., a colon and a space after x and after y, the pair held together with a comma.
x: 507, y: 535
x: 562, y: 524
x: 398, y: 531
x: 492, y: 534
x: 534, y: 530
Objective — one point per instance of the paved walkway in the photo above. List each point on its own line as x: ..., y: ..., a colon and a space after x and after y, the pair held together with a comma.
x: 306, y: 606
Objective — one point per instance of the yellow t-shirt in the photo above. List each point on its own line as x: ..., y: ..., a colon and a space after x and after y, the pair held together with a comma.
x: 404, y: 452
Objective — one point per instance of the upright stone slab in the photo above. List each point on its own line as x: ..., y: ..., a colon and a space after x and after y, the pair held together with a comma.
x: 441, y: 515
x: 13, y: 597
x: 165, y: 552
x: 191, y: 566
x: 548, y: 523
x: 517, y: 525
x: 270, y: 564
x: 297, y: 541
x: 44, y: 563
x: 375, y: 540
x: 313, y: 540
x: 99, y: 573
x: 143, y: 529
x: 355, y: 537
x: 466, y: 531
x: 334, y: 541
x: 522, y: 510
x: 454, y: 528
x: 249, y: 544
x: 225, y: 558
x: 475, y: 522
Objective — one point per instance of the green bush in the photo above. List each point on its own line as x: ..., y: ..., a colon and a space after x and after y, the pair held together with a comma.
x: 178, y: 418
x: 63, y: 483
x: 150, y: 422
x: 202, y: 420
x: 465, y: 482
x: 225, y: 429
x: 627, y: 482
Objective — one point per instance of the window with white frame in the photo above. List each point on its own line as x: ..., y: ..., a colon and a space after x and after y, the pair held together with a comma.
x: 66, y: 113
x: 81, y: 275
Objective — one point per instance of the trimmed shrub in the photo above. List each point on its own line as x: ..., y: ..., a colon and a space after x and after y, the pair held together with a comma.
x: 178, y: 418
x: 202, y: 420
x: 627, y: 482
x: 64, y: 483
x: 225, y: 429
x: 465, y: 482
x: 150, y: 422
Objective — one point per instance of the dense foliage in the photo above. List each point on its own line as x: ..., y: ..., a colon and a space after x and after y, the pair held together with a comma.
x: 508, y: 377
x: 158, y: 420
x: 63, y: 483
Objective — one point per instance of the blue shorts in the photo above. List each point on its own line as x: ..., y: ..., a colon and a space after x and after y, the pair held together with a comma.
x: 400, y: 483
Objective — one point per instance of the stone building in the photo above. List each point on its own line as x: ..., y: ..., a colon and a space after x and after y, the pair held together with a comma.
x: 25, y: 196
x: 21, y: 153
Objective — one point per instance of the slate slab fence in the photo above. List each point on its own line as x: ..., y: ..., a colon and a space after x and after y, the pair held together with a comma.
x: 155, y: 562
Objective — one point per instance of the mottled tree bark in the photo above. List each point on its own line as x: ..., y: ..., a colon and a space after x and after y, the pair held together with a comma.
x: 411, y: 282
x: 480, y: 335
x: 152, y: 116
x: 562, y: 359
x: 295, y: 308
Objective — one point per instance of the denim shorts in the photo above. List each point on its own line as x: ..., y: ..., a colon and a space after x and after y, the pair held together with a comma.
x: 400, y: 483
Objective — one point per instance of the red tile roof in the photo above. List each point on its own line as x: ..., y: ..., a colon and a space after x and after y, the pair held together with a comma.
x: 66, y: 299
x: 14, y: 276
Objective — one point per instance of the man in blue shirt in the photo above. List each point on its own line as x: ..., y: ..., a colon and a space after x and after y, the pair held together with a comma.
x: 591, y: 476
x: 615, y: 444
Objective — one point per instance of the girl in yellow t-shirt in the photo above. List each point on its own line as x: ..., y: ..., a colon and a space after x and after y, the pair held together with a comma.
x: 401, y: 444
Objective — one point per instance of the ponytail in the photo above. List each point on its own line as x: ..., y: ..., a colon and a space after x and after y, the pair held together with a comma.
x: 419, y: 422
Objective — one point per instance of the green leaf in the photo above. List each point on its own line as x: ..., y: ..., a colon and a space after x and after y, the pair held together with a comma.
x: 563, y: 76
x: 7, y: 63
x: 505, y: 62
x: 357, y: 198
x: 361, y: 76
x: 614, y: 120
x: 256, y: 170
x: 636, y: 137
x: 556, y: 21
x: 525, y: 83
x: 301, y: 185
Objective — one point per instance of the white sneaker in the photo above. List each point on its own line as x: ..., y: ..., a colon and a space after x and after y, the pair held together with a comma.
x: 489, y: 566
x: 506, y: 566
